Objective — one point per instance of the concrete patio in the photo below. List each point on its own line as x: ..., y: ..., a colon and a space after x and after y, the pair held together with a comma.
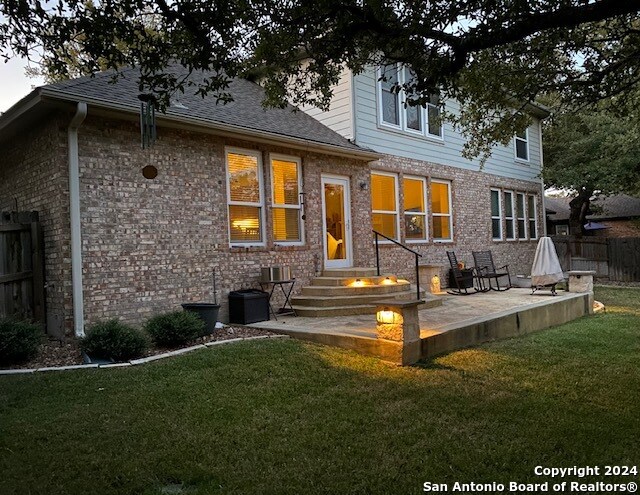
x: 461, y: 321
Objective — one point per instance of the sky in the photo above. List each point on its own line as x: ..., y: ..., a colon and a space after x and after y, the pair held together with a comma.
x: 14, y: 85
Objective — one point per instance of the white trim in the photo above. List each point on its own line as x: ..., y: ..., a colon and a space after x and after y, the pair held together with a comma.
x: 524, y: 218
x: 397, y: 202
x: 298, y: 161
x: 500, y: 217
x: 424, y: 214
x: 450, y: 214
x: 348, y: 238
x: 515, y: 147
x: 74, y: 214
x: 507, y: 218
x: 258, y: 155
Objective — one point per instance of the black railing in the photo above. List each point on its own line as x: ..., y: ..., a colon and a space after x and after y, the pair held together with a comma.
x: 415, y: 253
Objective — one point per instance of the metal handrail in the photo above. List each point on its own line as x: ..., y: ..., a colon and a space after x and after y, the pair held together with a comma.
x: 415, y: 253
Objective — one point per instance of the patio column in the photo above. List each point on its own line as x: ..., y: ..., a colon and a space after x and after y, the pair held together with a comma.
x: 582, y: 282
x: 398, y: 321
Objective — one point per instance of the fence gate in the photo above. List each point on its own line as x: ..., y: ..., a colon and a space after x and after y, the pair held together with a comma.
x: 22, y: 267
x: 624, y: 259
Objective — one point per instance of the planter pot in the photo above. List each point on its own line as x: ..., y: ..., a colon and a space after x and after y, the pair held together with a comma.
x: 208, y: 312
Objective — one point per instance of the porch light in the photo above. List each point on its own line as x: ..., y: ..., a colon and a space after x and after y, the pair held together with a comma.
x: 387, y: 281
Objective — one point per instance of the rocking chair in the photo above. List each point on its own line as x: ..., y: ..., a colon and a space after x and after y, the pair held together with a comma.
x: 462, y: 281
x: 486, y: 270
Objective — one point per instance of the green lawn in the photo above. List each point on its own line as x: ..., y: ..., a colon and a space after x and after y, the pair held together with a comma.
x: 281, y: 416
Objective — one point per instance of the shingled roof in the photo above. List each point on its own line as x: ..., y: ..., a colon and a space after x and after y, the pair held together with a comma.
x: 608, y: 207
x: 245, y: 114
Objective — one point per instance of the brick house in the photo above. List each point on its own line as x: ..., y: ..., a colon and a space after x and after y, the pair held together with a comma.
x: 236, y: 187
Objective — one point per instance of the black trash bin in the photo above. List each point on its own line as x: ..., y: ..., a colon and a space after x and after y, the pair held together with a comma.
x: 248, y: 306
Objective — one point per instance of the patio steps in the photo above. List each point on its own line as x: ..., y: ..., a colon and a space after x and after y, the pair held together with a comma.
x: 354, y: 291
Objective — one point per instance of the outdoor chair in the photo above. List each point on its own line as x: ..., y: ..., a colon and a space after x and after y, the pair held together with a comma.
x: 463, y: 280
x: 486, y: 270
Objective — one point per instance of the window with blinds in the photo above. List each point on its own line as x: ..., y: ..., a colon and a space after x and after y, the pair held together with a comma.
x: 532, y: 216
x: 520, y: 215
x: 245, y: 197
x: 286, y: 209
x: 384, y: 204
x: 415, y: 212
x: 496, y: 215
x: 441, y: 210
x: 510, y: 232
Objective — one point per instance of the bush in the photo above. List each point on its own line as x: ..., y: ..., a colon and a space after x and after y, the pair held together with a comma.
x: 114, y: 340
x: 19, y: 340
x: 178, y: 327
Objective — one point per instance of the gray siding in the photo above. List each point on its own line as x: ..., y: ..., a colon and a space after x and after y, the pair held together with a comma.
x: 339, y: 117
x: 370, y: 134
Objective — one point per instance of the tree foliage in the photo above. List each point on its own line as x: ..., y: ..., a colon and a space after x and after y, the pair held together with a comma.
x: 490, y: 55
x: 594, y: 150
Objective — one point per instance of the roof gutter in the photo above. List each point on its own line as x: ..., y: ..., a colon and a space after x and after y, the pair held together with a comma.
x: 74, y: 204
x: 230, y: 130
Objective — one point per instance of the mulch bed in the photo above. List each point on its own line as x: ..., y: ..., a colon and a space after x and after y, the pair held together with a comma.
x: 57, y: 353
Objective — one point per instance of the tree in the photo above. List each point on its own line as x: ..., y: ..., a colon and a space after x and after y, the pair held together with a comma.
x: 490, y: 55
x: 592, y: 151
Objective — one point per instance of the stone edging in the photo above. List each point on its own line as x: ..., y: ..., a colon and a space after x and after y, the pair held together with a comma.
x: 135, y: 362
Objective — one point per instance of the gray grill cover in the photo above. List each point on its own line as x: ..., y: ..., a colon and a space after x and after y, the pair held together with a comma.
x: 546, y: 267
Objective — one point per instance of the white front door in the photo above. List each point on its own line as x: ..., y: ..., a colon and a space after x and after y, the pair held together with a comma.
x: 336, y: 211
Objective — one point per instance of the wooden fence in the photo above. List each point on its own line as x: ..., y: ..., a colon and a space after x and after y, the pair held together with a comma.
x: 21, y: 267
x: 617, y: 259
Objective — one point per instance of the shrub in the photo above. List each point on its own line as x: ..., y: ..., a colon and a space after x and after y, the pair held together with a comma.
x: 114, y: 340
x: 178, y: 327
x: 19, y: 340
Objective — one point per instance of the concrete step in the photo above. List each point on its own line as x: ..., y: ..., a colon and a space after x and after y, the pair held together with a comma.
x: 359, y: 309
x: 349, y: 272
x: 349, y: 281
x: 355, y: 300
x: 342, y: 290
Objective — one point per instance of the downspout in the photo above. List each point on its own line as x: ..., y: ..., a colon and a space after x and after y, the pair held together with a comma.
x: 74, y: 207
x: 544, y: 210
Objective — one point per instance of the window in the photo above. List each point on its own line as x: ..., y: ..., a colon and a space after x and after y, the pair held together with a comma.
x: 434, y: 125
x: 533, y: 217
x: 522, y: 222
x: 522, y: 145
x: 422, y: 120
x: 415, y: 212
x: 384, y: 203
x: 441, y: 210
x: 562, y: 229
x: 496, y: 215
x: 245, y: 197
x: 286, y: 208
x: 508, y: 215
x: 389, y: 97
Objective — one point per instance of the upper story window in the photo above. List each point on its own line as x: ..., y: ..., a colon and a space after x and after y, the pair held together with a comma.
x: 392, y: 111
x: 389, y: 96
x: 384, y: 203
x: 415, y: 208
x: 441, y: 210
x: 245, y: 197
x: 522, y: 145
x: 286, y: 209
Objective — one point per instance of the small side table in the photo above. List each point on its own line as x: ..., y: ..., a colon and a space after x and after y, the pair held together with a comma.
x: 286, y: 286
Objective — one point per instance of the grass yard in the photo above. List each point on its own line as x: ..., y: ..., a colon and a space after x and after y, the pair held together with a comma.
x: 282, y: 416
